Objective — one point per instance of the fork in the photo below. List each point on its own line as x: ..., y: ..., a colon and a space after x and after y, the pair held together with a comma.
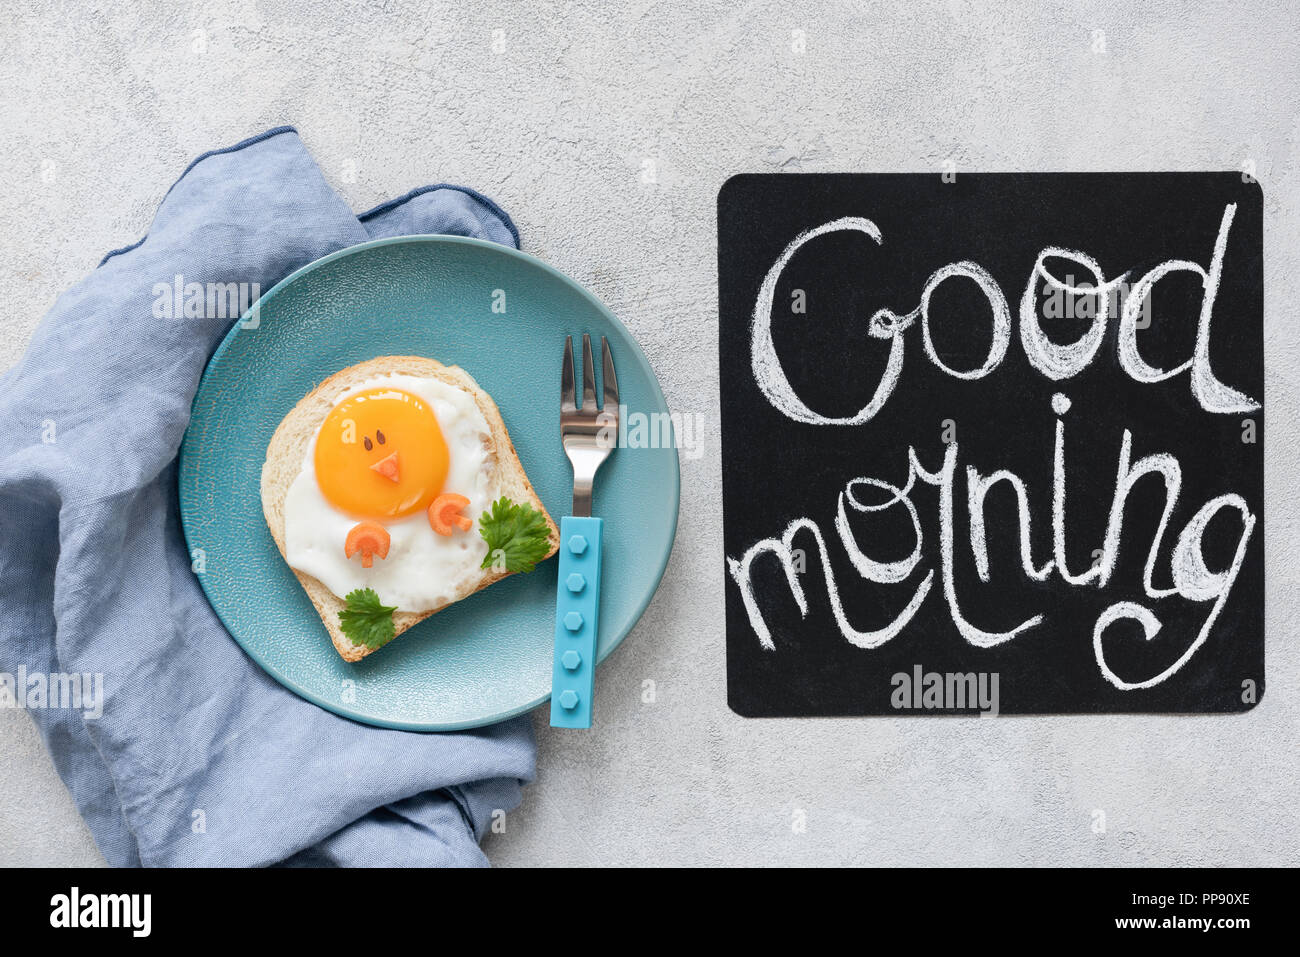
x: 588, y: 436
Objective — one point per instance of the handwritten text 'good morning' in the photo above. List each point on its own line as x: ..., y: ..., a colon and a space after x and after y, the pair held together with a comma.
x: 1192, y: 579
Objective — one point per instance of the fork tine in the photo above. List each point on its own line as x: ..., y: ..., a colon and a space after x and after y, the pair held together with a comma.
x: 567, y: 397
x: 608, y: 379
x: 588, y: 376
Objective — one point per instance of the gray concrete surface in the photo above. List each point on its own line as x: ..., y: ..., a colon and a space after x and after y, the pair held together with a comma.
x: 556, y: 117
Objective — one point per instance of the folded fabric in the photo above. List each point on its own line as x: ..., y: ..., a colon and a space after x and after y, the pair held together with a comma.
x: 198, y: 757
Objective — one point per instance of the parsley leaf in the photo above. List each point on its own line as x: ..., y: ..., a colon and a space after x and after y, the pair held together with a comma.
x: 365, y: 620
x: 517, y: 536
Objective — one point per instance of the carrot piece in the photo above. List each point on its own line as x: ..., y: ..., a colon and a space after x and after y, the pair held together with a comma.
x: 387, y: 467
x: 444, y: 513
x: 368, y: 538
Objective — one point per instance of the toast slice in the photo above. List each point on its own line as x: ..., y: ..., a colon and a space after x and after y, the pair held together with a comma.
x: 288, y: 449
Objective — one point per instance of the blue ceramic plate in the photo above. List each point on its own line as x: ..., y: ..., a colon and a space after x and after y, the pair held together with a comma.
x: 485, y: 658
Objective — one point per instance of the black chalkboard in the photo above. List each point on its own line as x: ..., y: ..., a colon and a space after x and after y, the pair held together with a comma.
x: 808, y: 350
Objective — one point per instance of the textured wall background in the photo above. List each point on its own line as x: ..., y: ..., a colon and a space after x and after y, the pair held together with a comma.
x: 555, y: 117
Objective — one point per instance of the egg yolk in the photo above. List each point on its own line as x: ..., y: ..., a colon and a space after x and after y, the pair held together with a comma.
x: 380, y: 454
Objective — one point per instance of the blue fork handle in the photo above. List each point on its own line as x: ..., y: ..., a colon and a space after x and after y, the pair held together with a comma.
x: 577, y: 613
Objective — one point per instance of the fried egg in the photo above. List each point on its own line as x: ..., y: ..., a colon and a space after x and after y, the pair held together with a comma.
x: 388, y: 448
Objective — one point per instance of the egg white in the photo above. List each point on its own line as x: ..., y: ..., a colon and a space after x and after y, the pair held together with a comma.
x: 423, y: 570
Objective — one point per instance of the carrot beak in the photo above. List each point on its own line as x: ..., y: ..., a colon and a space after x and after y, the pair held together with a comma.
x: 387, y: 467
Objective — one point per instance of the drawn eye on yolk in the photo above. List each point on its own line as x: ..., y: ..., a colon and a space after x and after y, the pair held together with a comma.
x: 380, y: 454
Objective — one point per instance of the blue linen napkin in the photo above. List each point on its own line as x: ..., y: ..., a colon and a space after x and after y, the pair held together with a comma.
x: 198, y: 757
